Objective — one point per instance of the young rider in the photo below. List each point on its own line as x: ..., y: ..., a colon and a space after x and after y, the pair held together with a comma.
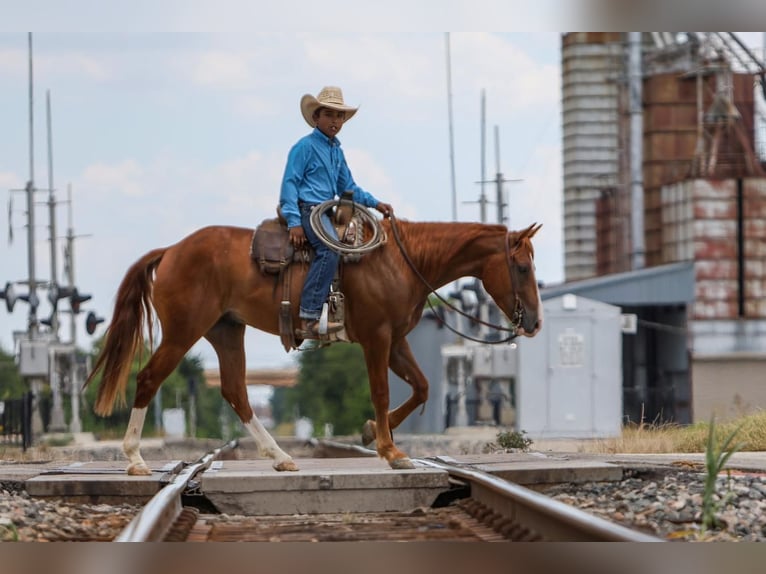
x: 316, y: 172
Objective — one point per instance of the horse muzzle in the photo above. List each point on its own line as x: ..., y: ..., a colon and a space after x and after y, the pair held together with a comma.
x: 529, y: 326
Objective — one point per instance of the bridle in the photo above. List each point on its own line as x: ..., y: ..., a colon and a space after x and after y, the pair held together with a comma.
x: 516, y: 316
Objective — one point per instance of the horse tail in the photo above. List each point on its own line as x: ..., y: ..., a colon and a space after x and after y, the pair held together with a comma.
x: 125, y: 334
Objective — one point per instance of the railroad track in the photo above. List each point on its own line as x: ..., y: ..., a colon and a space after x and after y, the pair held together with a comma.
x: 478, y: 507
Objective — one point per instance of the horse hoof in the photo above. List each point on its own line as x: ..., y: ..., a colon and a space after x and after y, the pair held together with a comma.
x: 139, y: 469
x: 286, y: 465
x: 401, y: 464
x: 368, y: 433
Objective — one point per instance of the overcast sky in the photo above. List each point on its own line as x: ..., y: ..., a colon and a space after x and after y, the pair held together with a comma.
x: 161, y: 134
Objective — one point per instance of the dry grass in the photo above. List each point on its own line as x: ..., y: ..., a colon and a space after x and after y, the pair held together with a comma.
x: 34, y: 454
x: 667, y: 438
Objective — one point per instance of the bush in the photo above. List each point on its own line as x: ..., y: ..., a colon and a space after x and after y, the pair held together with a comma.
x: 514, y: 440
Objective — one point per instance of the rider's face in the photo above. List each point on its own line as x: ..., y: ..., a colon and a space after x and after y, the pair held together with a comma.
x: 329, y: 121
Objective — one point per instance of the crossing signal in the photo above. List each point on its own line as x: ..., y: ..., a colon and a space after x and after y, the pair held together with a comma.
x: 76, y: 299
x: 91, y: 322
x: 55, y: 293
x: 9, y: 295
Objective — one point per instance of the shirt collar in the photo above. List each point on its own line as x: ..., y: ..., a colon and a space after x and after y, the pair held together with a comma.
x: 317, y: 133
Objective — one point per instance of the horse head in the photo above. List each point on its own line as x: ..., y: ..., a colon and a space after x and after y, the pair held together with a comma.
x: 509, y: 278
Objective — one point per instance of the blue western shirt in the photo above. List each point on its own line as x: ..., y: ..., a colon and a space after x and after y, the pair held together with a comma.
x: 316, y: 172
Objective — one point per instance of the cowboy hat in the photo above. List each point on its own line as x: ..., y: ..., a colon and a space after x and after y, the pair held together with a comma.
x: 330, y: 97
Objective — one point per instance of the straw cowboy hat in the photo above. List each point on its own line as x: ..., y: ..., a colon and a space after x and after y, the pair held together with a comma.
x: 330, y: 97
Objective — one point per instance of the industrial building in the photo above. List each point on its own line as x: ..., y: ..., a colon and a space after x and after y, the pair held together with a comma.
x: 664, y: 213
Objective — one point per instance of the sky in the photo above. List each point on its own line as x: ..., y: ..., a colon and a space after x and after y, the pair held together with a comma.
x: 159, y: 134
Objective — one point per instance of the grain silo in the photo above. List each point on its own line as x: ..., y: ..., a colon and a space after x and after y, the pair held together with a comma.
x: 592, y: 64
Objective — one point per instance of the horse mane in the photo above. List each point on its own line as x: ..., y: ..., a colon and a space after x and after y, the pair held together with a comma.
x: 431, y: 242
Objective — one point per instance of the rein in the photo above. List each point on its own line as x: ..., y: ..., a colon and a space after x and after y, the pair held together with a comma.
x: 517, y: 310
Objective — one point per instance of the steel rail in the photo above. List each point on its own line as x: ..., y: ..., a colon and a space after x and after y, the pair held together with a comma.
x: 158, y: 515
x: 551, y: 519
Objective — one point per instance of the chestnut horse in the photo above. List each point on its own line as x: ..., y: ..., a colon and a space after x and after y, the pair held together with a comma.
x: 206, y: 285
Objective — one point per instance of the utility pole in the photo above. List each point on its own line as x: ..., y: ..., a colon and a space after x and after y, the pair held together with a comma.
x: 489, y: 313
x: 57, y: 422
x: 499, y: 180
x: 482, y: 195
x: 75, y: 424
x: 39, y: 350
x: 53, y: 290
x: 32, y: 325
x: 451, y: 134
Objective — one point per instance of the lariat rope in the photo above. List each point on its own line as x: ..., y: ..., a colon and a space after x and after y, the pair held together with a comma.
x: 378, y: 235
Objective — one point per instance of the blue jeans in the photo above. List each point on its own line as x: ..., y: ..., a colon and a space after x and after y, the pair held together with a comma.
x: 322, y: 269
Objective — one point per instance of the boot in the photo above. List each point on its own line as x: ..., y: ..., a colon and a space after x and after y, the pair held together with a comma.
x: 309, y: 329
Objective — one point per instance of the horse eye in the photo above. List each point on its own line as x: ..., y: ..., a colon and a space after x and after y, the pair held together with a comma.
x: 523, y: 269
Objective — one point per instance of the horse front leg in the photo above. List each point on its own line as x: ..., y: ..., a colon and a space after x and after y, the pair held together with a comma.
x: 402, y: 362
x: 377, y: 372
x: 228, y: 340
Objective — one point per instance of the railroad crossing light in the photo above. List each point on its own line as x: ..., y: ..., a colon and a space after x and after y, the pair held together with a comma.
x: 9, y: 295
x: 75, y: 299
x: 56, y: 293
x: 91, y: 322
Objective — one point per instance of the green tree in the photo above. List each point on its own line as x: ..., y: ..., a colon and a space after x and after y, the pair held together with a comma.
x: 12, y: 386
x: 332, y: 388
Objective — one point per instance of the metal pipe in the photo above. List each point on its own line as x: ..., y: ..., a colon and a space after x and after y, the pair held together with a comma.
x: 483, y: 195
x: 635, y: 79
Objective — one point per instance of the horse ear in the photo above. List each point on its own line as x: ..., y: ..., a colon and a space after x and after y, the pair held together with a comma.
x: 530, y: 231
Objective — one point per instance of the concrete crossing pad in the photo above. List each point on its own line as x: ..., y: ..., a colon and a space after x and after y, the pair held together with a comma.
x: 100, y: 482
x: 530, y: 469
x: 324, y: 485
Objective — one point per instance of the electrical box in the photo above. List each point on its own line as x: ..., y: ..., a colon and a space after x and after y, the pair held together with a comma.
x: 33, y: 358
x: 496, y: 362
x: 570, y: 374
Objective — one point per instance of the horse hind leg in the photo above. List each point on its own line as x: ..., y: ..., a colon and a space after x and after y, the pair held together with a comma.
x: 131, y: 443
x: 160, y: 366
x: 228, y: 340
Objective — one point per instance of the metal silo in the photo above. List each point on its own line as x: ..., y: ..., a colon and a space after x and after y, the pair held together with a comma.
x: 592, y: 67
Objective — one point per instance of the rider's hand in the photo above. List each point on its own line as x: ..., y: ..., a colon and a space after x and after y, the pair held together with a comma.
x: 297, y: 236
x: 385, y: 209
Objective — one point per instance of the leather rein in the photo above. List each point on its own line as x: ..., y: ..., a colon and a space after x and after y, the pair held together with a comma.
x: 515, y: 319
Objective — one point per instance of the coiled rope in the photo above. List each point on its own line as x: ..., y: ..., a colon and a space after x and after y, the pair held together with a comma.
x: 367, y: 218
